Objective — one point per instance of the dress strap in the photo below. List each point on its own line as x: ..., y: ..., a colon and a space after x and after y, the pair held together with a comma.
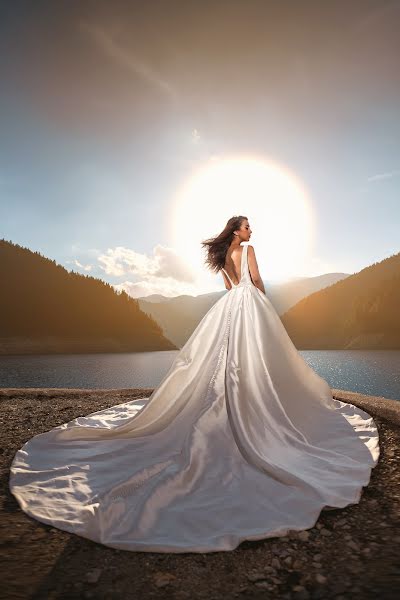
x: 222, y: 269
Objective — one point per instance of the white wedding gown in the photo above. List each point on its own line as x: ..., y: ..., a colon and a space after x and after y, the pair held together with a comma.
x: 241, y: 440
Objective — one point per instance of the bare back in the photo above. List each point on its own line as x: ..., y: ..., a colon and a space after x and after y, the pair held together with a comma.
x: 233, y: 262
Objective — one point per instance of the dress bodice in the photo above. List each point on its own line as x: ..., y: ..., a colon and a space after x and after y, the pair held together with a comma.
x: 245, y: 279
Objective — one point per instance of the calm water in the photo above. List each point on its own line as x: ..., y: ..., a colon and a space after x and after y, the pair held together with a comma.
x: 373, y: 372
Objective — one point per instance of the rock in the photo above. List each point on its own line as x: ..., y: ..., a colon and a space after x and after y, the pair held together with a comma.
x: 163, y: 578
x: 93, y: 576
x: 264, y: 585
x: 320, y: 578
x: 300, y: 592
x: 303, y: 536
x: 259, y: 576
x: 355, y: 568
x: 353, y: 546
x: 298, y: 565
x: 325, y: 531
x: 38, y: 534
x: 276, y: 563
x: 317, y: 557
x: 269, y: 569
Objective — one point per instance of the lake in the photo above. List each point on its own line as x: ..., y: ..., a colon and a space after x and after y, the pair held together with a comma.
x: 372, y: 372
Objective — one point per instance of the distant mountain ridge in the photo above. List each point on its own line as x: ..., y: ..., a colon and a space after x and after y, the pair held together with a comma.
x: 180, y: 315
x: 45, y: 308
x: 285, y: 295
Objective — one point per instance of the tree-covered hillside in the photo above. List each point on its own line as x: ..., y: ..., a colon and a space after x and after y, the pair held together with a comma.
x: 359, y: 312
x: 43, y: 306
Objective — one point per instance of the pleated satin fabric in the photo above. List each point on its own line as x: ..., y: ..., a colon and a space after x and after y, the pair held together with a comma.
x: 241, y: 440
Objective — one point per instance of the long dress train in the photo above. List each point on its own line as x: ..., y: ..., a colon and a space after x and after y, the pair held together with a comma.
x: 241, y: 440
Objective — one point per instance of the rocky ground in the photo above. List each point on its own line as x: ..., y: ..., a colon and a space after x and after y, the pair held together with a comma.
x: 350, y: 553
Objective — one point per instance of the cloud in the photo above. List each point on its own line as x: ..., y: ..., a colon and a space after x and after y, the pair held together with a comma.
x: 80, y: 265
x: 164, y: 264
x: 84, y: 267
x: 381, y: 176
x: 128, y: 61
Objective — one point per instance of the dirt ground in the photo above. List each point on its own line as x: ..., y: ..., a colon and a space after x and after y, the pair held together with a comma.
x: 350, y: 553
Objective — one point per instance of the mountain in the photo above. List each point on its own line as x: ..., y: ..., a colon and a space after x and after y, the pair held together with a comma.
x: 44, y: 308
x: 179, y: 316
x: 285, y: 295
x: 360, y: 312
x: 157, y: 298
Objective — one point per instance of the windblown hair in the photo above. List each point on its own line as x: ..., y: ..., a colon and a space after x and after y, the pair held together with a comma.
x: 217, y: 247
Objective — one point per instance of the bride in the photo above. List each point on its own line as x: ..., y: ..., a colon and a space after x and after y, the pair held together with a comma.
x: 241, y: 440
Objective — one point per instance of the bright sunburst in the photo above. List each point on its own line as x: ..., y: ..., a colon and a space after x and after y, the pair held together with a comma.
x: 273, y: 199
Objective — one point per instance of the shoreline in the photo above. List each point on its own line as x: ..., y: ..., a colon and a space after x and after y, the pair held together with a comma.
x: 350, y: 552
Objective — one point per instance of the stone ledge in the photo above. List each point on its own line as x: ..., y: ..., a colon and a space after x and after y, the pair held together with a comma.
x: 377, y: 406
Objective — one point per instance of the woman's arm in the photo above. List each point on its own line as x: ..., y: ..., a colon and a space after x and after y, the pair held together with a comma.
x: 253, y: 268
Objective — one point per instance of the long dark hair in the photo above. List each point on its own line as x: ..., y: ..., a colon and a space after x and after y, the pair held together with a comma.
x: 218, y: 246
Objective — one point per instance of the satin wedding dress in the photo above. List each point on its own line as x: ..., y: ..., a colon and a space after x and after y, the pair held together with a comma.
x: 241, y: 440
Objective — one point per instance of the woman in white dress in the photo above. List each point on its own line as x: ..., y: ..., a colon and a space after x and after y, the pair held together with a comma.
x: 241, y: 440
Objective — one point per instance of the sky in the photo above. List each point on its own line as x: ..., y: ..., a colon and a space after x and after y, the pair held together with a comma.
x: 108, y: 109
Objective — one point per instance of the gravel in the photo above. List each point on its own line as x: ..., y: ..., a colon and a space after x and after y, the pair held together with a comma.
x: 350, y: 553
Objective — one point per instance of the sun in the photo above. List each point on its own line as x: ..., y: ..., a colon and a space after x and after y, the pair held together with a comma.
x: 274, y: 200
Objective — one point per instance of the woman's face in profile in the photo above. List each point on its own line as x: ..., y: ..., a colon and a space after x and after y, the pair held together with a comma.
x: 245, y: 231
